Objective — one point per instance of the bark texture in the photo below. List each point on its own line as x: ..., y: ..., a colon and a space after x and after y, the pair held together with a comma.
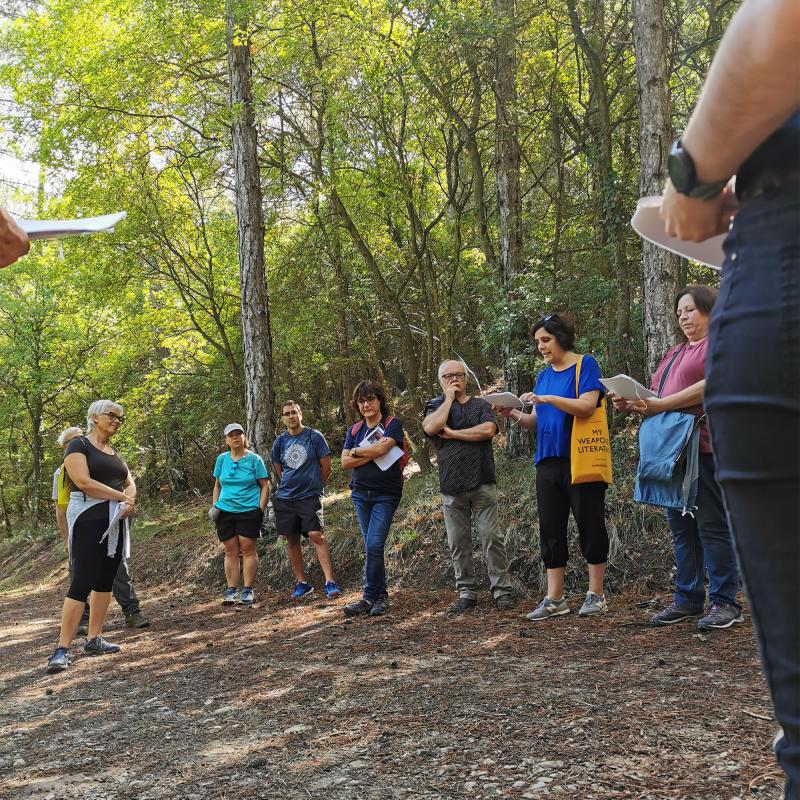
x: 660, y: 268
x: 256, y: 332
x: 509, y: 204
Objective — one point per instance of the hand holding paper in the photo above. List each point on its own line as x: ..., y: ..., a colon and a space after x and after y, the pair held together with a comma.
x: 59, y: 228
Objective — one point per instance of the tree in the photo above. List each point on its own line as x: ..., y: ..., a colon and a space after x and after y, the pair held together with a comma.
x: 256, y: 331
x: 660, y: 268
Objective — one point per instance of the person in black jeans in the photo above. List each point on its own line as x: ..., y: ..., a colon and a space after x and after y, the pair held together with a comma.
x: 748, y: 123
x: 100, y: 505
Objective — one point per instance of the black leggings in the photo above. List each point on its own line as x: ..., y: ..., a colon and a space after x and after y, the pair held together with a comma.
x: 555, y: 495
x: 93, y: 570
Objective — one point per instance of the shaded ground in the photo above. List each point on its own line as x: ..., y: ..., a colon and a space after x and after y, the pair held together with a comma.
x: 287, y: 701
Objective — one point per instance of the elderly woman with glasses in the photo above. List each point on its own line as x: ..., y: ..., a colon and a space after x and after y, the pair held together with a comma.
x: 376, y: 491
x: 102, y: 500
x: 241, y: 493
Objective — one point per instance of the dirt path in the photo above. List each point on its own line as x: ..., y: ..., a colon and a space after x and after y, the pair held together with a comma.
x: 293, y: 702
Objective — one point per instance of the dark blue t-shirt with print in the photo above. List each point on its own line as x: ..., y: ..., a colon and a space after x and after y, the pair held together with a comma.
x: 298, y: 456
x: 371, y: 477
x: 554, y: 427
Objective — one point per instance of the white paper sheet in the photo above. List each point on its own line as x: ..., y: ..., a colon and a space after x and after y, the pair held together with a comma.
x: 387, y: 459
x: 626, y: 387
x: 503, y: 399
x: 649, y: 225
x: 59, y: 228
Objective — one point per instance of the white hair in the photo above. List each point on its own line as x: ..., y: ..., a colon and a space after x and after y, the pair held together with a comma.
x: 440, y: 371
x: 100, y: 407
x: 69, y: 433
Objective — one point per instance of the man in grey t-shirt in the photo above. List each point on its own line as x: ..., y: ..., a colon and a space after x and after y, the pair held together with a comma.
x: 461, y: 428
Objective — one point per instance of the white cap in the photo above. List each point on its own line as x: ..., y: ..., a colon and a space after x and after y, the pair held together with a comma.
x: 234, y: 426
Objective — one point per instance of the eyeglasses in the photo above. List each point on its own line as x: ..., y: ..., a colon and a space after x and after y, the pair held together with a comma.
x: 113, y: 417
x: 290, y: 414
x: 370, y: 399
x: 454, y: 376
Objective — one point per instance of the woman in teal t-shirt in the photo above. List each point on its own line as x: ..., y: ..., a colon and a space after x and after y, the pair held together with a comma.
x: 241, y: 492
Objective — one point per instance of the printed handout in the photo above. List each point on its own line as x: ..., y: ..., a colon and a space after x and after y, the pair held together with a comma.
x: 627, y: 388
x: 60, y: 228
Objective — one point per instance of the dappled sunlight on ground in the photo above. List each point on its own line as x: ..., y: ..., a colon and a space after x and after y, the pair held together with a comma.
x: 293, y: 700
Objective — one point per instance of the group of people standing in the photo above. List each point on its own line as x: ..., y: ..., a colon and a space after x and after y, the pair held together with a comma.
x: 102, y: 494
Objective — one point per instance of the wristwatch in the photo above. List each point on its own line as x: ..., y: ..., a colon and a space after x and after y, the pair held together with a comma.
x: 682, y: 173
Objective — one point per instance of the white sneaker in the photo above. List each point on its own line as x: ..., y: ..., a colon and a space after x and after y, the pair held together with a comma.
x: 593, y: 604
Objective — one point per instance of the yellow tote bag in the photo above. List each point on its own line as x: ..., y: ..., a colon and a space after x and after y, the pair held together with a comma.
x: 590, y: 446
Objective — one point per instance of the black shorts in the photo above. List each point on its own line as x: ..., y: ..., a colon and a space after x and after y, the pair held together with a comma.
x: 294, y: 517
x: 243, y: 523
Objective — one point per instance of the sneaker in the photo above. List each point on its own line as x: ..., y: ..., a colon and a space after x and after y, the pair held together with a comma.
x: 332, y: 589
x: 137, y: 620
x: 231, y: 596
x: 99, y: 647
x: 302, y: 589
x: 673, y: 613
x: 593, y: 604
x: 59, y: 661
x: 461, y: 605
x: 247, y: 597
x: 379, y: 607
x: 720, y: 615
x: 358, y: 608
x: 549, y: 608
x: 504, y: 602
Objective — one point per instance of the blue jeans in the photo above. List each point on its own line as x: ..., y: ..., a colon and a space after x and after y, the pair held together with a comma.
x: 375, y: 512
x: 753, y: 403
x: 701, y: 543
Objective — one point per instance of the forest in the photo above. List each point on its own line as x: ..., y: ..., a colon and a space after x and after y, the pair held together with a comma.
x: 320, y: 191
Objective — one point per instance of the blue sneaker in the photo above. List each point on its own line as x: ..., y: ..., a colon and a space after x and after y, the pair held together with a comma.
x: 247, y: 597
x: 302, y: 589
x: 332, y: 589
x: 231, y: 596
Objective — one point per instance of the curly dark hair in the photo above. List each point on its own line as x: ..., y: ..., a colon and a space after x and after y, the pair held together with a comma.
x: 561, y: 326
x: 365, y: 389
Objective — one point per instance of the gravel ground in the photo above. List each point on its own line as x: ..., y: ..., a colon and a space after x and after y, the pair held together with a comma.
x: 292, y: 701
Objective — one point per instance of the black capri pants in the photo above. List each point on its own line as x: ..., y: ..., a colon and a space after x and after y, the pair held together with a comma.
x: 93, y: 570
x: 556, y: 495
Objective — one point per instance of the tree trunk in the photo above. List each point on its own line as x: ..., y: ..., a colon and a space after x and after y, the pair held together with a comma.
x: 507, y: 166
x: 256, y: 333
x: 660, y: 268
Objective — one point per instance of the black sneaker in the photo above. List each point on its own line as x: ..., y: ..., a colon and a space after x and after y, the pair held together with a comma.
x: 59, y: 661
x: 462, y: 604
x: 379, y: 607
x: 137, y: 620
x: 504, y: 602
x: 99, y: 647
x: 673, y: 613
x: 357, y: 609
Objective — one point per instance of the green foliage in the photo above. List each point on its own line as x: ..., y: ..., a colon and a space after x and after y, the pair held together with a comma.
x: 377, y: 126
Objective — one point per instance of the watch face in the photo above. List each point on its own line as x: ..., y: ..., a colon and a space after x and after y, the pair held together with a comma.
x: 680, y: 171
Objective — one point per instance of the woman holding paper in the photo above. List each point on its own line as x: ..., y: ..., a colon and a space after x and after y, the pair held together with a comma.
x: 372, y: 451
x: 100, y: 505
x: 702, y: 542
x: 556, y: 404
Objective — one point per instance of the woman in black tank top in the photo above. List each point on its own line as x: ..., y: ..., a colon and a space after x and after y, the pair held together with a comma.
x: 100, y: 479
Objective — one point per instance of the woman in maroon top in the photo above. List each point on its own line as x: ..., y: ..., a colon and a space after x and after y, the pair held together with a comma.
x: 702, y: 542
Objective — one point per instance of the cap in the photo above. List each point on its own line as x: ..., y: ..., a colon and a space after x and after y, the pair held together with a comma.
x: 234, y: 426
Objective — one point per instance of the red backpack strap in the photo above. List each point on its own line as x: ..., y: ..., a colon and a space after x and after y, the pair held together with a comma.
x: 356, y: 428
